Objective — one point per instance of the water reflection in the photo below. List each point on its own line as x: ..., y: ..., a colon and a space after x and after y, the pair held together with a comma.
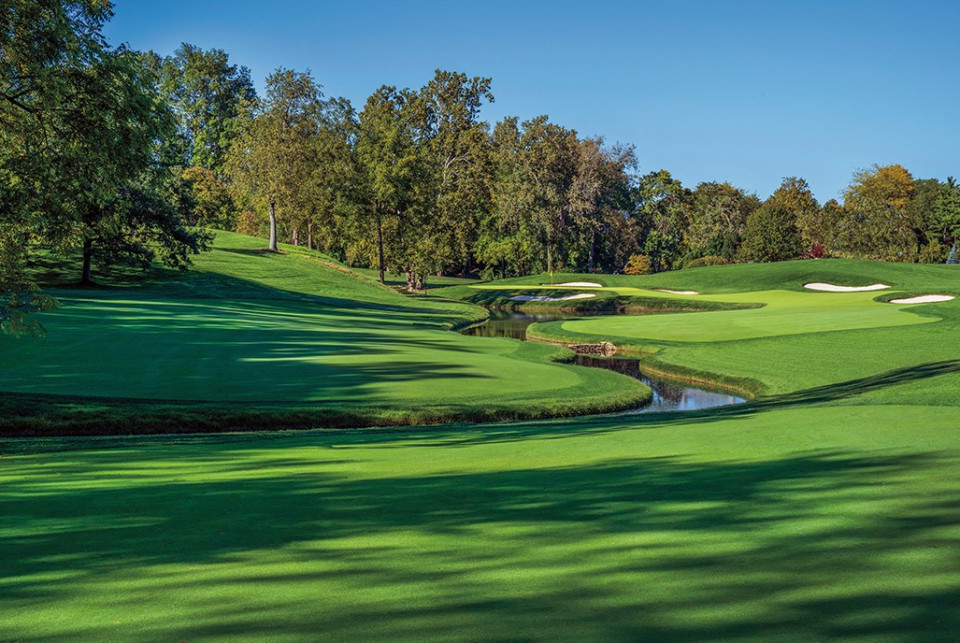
x: 667, y: 396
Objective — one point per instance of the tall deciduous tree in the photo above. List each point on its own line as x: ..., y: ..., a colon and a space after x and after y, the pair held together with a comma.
x: 206, y: 93
x: 459, y: 149
x: 717, y: 219
x: 42, y: 45
x: 391, y: 166
x: 662, y: 212
x: 771, y: 234
x: 271, y: 161
x: 880, y: 225
x: 795, y: 197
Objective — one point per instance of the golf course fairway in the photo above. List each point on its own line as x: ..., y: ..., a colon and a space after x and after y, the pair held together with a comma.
x: 828, y: 507
x: 251, y: 339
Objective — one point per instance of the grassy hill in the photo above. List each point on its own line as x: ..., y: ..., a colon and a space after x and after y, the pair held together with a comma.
x: 250, y: 339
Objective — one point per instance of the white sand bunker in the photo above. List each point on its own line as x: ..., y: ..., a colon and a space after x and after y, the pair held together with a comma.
x: 578, y: 284
x: 833, y: 288
x: 583, y: 295
x: 678, y: 292
x: 922, y: 299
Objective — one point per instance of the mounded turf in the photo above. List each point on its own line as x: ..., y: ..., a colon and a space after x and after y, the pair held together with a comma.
x: 258, y: 340
x: 827, y: 508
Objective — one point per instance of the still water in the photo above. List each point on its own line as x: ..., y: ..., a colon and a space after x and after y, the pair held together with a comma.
x: 667, y: 396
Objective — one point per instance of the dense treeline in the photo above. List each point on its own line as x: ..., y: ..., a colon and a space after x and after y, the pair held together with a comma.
x: 114, y: 156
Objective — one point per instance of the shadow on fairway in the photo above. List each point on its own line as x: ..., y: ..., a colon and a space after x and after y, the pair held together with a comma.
x: 813, y: 538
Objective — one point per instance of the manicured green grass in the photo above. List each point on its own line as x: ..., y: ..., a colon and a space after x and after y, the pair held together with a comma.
x: 827, y: 508
x: 254, y: 339
x: 790, y: 522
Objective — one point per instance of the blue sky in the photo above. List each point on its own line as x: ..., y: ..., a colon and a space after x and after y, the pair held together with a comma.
x: 747, y: 92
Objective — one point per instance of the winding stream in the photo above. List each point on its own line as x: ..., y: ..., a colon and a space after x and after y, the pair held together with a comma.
x: 667, y: 396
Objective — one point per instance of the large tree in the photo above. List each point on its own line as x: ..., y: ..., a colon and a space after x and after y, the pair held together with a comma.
x: 944, y: 224
x: 771, y: 234
x: 42, y: 44
x: 879, y: 220
x: 662, y: 214
x: 391, y: 169
x: 206, y: 93
x: 270, y: 163
x: 718, y: 216
x: 460, y: 162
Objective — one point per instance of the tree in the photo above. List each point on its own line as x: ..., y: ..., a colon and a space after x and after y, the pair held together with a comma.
x: 771, y: 234
x: 390, y: 169
x: 718, y: 215
x: 209, y: 202
x: 794, y: 196
x: 206, y: 93
x: 662, y: 210
x: 271, y: 160
x: 105, y: 143
x: 945, y: 217
x: 459, y: 149
x: 879, y: 222
x: 41, y: 46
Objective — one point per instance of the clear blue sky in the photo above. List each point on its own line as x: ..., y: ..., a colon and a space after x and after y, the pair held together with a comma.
x: 747, y: 92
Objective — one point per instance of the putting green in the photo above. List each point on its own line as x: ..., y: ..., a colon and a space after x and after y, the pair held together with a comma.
x: 783, y: 313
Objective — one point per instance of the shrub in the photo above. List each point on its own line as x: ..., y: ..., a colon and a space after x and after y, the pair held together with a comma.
x: 816, y: 251
x: 638, y: 265
x: 709, y: 260
x: 934, y: 252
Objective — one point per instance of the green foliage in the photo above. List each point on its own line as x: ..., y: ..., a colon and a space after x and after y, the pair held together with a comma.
x: 638, y: 265
x: 771, y: 234
x: 879, y: 222
x: 207, y: 94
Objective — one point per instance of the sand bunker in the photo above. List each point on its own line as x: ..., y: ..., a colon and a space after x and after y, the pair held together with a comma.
x: 922, y: 299
x: 583, y: 295
x: 578, y: 284
x: 678, y: 292
x: 832, y: 288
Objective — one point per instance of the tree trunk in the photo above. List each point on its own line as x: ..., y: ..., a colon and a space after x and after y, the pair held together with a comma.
x: 273, y: 226
x: 380, y: 247
x: 295, y: 237
x: 85, y: 278
x: 549, y: 257
x: 309, y: 235
x: 593, y: 246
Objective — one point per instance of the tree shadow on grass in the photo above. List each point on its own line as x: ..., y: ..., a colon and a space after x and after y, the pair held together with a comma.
x: 800, y: 546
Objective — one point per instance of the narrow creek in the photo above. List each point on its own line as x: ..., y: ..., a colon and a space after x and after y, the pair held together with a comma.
x: 667, y: 396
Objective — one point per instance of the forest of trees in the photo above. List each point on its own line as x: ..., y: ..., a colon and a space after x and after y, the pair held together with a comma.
x: 110, y: 155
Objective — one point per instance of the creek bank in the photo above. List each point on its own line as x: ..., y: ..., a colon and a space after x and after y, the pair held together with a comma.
x: 671, y: 391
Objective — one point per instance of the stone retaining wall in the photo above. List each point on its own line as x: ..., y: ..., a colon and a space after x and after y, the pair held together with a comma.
x: 603, y: 348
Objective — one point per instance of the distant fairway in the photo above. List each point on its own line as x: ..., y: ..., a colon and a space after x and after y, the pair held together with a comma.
x: 828, y: 508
